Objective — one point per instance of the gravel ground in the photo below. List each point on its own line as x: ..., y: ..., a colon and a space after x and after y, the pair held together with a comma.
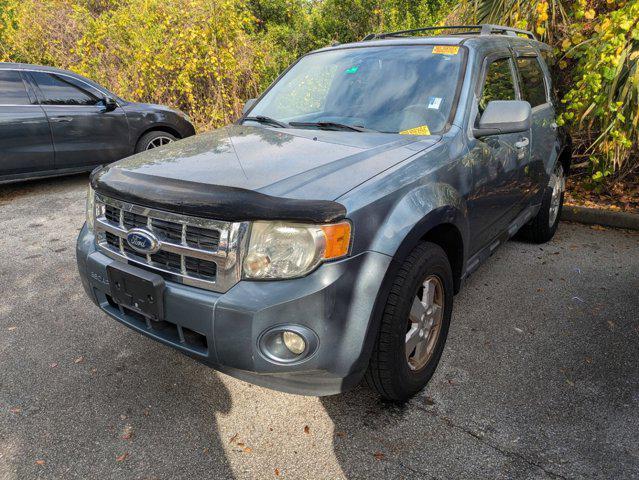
x: 540, y: 377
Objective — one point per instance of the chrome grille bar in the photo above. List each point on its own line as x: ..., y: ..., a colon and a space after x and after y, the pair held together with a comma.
x: 217, y: 268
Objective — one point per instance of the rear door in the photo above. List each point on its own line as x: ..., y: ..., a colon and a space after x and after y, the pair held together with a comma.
x: 84, y: 132
x: 496, y: 160
x: 25, y: 137
x: 535, y: 90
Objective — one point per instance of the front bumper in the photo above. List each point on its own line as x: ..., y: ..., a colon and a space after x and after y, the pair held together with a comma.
x: 222, y: 330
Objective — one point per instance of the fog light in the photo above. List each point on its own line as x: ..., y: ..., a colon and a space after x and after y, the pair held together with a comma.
x: 294, y: 342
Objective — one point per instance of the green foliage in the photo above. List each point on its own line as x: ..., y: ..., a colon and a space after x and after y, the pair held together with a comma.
x: 597, y: 42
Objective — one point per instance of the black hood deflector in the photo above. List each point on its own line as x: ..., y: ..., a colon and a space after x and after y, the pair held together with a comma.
x: 210, y: 201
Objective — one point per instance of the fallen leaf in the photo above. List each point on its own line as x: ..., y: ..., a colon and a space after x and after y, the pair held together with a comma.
x: 122, y: 417
x: 40, y: 462
x: 429, y: 401
x: 240, y: 444
x: 16, y: 410
x: 233, y: 438
x: 248, y: 449
x: 12, y: 328
x: 53, y: 365
x: 570, y: 382
x: 306, y: 429
x: 80, y: 359
x: 122, y: 458
x: 146, y: 412
x: 588, y: 359
x: 378, y: 456
x: 277, y: 472
x: 127, y: 433
x: 518, y: 330
x: 340, y: 434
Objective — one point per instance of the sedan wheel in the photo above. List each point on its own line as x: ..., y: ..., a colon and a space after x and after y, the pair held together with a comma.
x: 158, y: 142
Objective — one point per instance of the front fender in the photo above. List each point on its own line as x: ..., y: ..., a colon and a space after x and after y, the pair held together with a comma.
x: 418, y: 212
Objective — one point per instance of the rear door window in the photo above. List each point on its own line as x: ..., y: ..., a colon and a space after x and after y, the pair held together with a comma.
x: 533, y: 87
x: 56, y: 90
x: 499, y: 83
x: 12, y: 90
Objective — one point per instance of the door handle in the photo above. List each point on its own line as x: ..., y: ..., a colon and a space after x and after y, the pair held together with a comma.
x: 61, y: 119
x: 523, y: 143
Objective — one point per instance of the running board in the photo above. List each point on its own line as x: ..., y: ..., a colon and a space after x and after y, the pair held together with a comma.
x: 522, y: 219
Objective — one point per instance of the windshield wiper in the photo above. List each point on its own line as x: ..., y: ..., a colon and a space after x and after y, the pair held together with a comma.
x: 331, y: 126
x: 267, y: 120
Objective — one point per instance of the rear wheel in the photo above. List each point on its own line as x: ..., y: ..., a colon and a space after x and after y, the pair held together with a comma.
x: 414, y: 325
x: 543, y: 227
x: 154, y: 139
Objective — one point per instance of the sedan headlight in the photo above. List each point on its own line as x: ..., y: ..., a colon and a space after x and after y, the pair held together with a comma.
x: 289, y: 250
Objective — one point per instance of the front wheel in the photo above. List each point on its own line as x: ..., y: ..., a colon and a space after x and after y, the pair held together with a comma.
x: 154, y: 139
x: 543, y: 227
x: 414, y: 325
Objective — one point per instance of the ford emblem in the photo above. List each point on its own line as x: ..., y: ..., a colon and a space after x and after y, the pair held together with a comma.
x: 142, y: 241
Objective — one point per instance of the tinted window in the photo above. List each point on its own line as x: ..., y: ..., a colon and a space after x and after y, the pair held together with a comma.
x: 533, y: 88
x: 499, y: 84
x: 12, y: 91
x: 59, y: 91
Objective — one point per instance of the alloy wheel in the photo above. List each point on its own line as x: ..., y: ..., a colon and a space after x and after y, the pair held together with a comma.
x: 424, y: 323
x: 158, y: 142
x: 558, y: 184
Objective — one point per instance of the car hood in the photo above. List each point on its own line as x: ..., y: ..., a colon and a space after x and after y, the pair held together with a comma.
x: 289, y: 163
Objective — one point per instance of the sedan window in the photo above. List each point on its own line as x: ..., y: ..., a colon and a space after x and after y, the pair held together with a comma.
x: 12, y: 91
x: 58, y: 91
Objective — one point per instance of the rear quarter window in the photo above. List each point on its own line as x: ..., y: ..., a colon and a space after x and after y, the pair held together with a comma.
x: 533, y: 86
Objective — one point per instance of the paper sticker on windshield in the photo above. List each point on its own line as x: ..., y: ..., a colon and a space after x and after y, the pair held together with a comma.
x: 421, y: 130
x: 434, y: 103
x: 446, y: 49
x: 352, y: 69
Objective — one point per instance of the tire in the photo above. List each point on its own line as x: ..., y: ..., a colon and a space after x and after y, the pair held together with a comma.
x: 543, y: 227
x: 394, y: 372
x: 154, y: 139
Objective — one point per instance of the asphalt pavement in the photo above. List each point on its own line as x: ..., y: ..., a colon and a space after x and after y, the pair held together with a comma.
x: 539, y: 379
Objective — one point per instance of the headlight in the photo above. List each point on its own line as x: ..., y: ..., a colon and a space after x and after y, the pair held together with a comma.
x: 288, y: 250
x: 90, y: 208
x: 95, y: 208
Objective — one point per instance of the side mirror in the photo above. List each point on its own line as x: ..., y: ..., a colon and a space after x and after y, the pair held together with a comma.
x: 504, y: 116
x: 247, y: 106
x: 109, y: 104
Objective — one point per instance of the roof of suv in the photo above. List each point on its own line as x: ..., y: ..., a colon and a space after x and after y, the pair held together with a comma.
x: 473, y: 34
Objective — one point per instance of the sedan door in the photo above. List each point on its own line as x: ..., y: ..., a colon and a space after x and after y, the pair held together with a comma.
x: 85, y: 132
x: 496, y: 160
x: 25, y: 137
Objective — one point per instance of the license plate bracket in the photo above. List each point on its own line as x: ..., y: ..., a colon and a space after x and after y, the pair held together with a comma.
x: 137, y: 289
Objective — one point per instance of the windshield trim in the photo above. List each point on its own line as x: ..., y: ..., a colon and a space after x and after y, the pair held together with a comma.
x: 453, y: 111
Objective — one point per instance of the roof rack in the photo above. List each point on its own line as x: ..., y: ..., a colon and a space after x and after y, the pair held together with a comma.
x: 483, y: 29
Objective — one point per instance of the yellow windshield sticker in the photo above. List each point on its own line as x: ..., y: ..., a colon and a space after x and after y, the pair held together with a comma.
x: 421, y: 130
x: 446, y: 49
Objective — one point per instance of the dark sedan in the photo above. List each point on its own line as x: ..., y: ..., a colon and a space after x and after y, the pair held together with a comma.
x: 55, y: 122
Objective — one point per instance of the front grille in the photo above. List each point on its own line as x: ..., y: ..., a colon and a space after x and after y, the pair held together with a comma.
x: 192, y: 250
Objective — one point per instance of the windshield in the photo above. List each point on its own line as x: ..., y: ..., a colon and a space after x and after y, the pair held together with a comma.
x: 398, y: 89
